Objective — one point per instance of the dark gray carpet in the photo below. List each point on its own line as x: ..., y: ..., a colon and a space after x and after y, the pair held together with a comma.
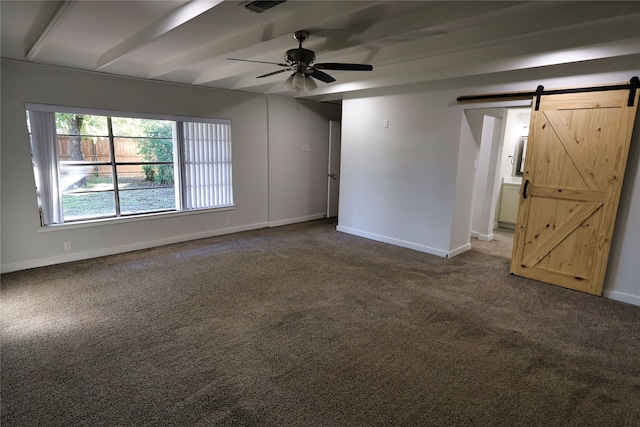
x: 304, y: 326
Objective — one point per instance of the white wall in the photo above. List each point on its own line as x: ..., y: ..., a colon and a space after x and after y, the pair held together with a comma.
x: 397, y: 182
x: 465, y: 199
x: 622, y: 281
x: 25, y: 244
x: 487, y: 185
x: 412, y: 184
x: 298, y: 156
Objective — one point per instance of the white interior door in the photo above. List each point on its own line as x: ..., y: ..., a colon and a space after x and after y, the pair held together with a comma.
x: 333, y: 172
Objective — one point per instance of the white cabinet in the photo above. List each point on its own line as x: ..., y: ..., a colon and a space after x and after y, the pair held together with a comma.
x: 509, y: 204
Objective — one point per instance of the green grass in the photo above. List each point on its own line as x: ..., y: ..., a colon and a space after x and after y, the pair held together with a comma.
x: 151, y: 199
x: 96, y: 198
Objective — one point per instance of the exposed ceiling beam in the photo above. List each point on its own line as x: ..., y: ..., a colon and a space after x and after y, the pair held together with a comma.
x: 487, y: 57
x: 590, y: 24
x: 60, y: 12
x: 317, y: 14
x: 154, y: 31
x: 368, y: 40
x: 489, y: 61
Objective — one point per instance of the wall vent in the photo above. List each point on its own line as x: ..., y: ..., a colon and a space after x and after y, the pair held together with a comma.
x: 260, y: 6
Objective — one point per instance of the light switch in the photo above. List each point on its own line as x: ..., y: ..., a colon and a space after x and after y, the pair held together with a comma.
x: 305, y: 147
x: 386, y: 123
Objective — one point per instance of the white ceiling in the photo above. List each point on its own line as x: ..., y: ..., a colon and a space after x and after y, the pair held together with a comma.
x: 405, y: 41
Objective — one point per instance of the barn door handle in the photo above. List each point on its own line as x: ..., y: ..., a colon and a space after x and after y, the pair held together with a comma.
x: 524, y: 191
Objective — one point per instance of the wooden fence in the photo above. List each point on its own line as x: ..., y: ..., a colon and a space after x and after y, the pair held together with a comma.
x: 97, y: 150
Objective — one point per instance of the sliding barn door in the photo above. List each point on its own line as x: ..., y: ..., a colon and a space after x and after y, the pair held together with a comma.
x: 575, y: 161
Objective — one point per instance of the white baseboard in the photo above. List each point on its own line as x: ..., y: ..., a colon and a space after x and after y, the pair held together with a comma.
x: 403, y: 243
x: 23, y: 265
x: 622, y: 297
x: 461, y: 249
x: 77, y: 256
x: 297, y: 220
x: 485, y: 237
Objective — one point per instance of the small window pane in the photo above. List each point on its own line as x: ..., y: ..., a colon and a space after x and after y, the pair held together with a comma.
x: 147, y: 200
x: 144, y: 191
x: 81, y: 124
x: 86, y: 193
x: 85, y: 177
x: 143, y: 150
x: 85, y: 149
x: 125, y: 126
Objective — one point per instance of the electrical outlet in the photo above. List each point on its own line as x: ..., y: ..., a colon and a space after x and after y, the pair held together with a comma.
x: 67, y: 246
x: 305, y: 147
x: 228, y: 221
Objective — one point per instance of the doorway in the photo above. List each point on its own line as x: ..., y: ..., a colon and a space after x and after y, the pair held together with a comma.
x: 498, y: 133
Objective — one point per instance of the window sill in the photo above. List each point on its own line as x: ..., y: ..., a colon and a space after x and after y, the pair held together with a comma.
x: 123, y: 220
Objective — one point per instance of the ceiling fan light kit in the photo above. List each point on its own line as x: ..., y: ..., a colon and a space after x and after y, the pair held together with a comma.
x: 311, y: 84
x: 299, y: 83
x: 300, y: 61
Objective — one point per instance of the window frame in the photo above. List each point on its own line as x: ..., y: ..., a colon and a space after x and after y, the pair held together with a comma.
x: 178, y: 164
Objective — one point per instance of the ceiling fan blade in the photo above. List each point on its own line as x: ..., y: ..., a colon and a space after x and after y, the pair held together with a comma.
x: 282, y: 64
x: 271, y: 74
x: 343, y: 66
x: 323, y: 77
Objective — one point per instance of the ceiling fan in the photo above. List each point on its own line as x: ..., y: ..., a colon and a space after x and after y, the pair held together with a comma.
x: 300, y: 61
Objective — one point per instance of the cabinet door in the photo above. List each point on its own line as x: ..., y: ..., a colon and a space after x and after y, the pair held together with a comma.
x: 508, y: 204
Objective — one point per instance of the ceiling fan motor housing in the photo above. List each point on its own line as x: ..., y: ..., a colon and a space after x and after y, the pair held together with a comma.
x: 299, y: 56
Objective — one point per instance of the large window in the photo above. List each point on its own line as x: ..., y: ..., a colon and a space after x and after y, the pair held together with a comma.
x: 89, y: 165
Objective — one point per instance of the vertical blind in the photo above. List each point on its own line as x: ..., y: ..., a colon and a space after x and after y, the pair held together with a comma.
x: 207, y: 165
